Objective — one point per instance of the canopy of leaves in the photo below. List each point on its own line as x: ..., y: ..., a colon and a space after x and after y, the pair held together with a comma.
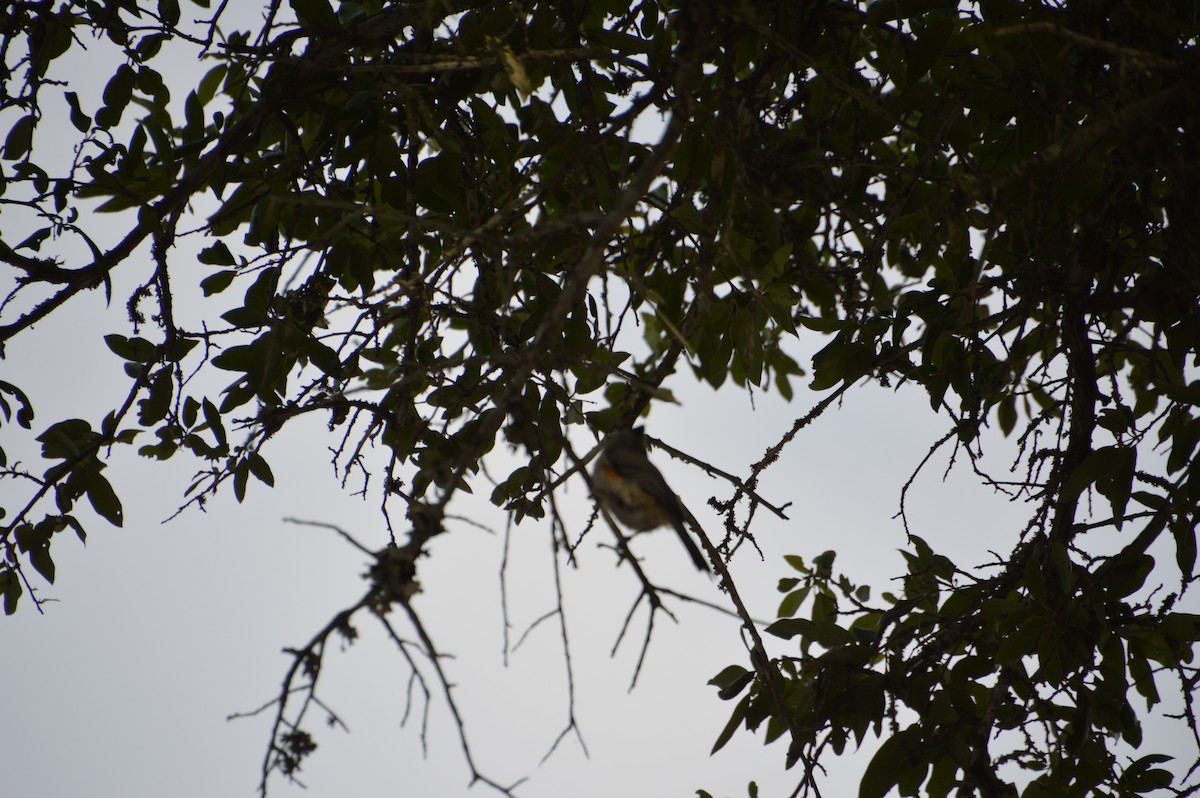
x: 438, y: 217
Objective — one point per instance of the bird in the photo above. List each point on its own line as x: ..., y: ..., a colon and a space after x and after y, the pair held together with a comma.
x: 628, y: 485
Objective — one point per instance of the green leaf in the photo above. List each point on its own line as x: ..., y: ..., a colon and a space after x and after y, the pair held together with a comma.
x: 1185, y: 547
x: 1142, y: 676
x: 735, y: 719
x: 1154, y: 501
x: 103, y: 498
x: 157, y: 404
x: 135, y: 350
x: 1127, y: 574
x: 24, y: 414
x: 179, y: 348
x: 1141, y: 777
x: 10, y: 586
x: 20, y: 138
x: 117, y: 95
x: 791, y: 603
x: 796, y: 562
x: 207, y: 88
x: 1019, y: 642
x: 315, y: 14
x: 941, y: 779
x: 823, y: 563
x: 323, y: 358
x: 259, y: 295
x: 1182, y: 627
x: 243, y: 317
x: 81, y: 121
x: 1108, y: 464
x: 828, y: 634
x: 216, y: 255
x: 893, y: 759
x: 66, y: 439
x: 169, y: 11
x: 241, y: 475
x: 217, y: 282
x: 732, y: 681
x: 841, y: 361
x: 824, y: 608
x: 77, y: 527
x: 260, y: 469
x: 147, y: 48
x: 39, y: 557
x: 1006, y: 414
x: 191, y: 410
x: 212, y: 417
x: 1117, y: 481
